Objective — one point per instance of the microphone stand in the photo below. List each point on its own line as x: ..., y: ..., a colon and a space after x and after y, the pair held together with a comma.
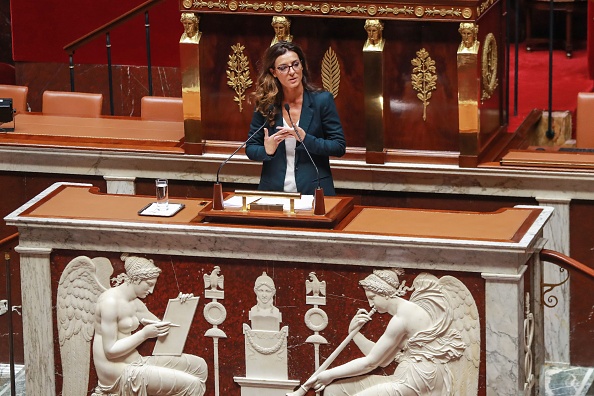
x: 217, y: 193
x: 319, y: 204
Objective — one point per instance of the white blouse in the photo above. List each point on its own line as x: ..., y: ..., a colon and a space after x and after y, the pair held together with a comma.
x: 290, y: 144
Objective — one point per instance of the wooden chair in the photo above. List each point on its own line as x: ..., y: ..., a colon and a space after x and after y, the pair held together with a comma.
x: 584, y: 127
x: 161, y: 108
x: 76, y: 104
x: 18, y: 94
x: 540, y: 8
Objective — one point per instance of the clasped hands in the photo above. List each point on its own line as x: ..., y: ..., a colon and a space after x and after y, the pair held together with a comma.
x: 271, y: 142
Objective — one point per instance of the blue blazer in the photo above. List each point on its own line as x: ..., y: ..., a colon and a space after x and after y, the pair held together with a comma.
x: 324, y: 138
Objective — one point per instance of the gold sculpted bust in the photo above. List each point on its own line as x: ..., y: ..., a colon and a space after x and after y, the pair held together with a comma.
x: 282, y: 27
x: 191, y: 33
x: 375, y: 41
x: 469, y: 33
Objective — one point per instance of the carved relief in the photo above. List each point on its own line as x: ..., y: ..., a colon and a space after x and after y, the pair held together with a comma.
x: 265, y: 344
x: 424, y: 78
x: 528, y: 338
x: 215, y: 314
x: 238, y: 74
x: 489, y: 66
x: 88, y: 308
x: 331, y: 72
x: 315, y: 318
x: 435, y: 339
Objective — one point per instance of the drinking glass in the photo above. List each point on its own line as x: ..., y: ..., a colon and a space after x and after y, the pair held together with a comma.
x: 162, y: 194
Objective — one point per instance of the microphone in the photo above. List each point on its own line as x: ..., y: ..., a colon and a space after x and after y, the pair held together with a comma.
x: 217, y: 201
x: 319, y: 206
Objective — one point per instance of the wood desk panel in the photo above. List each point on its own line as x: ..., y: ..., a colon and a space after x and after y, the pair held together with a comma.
x: 42, y: 129
x: 505, y: 225
x: 87, y: 203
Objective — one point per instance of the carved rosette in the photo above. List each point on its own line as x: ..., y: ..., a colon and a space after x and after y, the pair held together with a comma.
x: 423, y: 78
x: 238, y: 74
x: 489, y: 66
x: 331, y: 72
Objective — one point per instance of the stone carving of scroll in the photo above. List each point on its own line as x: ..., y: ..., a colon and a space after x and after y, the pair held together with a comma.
x: 215, y: 314
x: 434, y: 337
x: 89, y: 309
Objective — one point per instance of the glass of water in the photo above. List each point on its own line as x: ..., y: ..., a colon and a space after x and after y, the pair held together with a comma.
x: 162, y: 194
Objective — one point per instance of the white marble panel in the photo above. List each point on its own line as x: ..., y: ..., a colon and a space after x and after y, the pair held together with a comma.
x: 357, y: 175
x: 504, y: 329
x: 556, y: 316
x: 38, y: 334
x: 120, y: 185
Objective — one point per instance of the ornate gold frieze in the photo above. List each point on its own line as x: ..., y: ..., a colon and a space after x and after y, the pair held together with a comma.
x: 489, y: 66
x: 302, y: 7
x: 324, y: 8
x: 238, y: 74
x: 246, y: 5
x: 210, y: 4
x: 443, y: 12
x: 395, y: 10
x: 331, y: 72
x: 423, y: 78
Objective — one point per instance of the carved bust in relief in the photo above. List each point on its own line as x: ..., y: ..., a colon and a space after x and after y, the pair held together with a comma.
x: 282, y: 29
x: 469, y: 33
x: 191, y: 33
x: 264, y: 315
x: 375, y: 40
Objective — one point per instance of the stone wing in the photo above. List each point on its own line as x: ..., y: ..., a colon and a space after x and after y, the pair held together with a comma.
x: 81, y: 283
x: 466, y: 320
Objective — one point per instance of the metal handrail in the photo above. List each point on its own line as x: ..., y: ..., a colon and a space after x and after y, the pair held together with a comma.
x: 565, y: 262
x: 70, y: 48
x: 105, y: 29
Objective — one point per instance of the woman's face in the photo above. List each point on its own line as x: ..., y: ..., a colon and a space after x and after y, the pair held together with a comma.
x: 380, y: 303
x: 145, y: 287
x: 264, y: 294
x: 291, y: 70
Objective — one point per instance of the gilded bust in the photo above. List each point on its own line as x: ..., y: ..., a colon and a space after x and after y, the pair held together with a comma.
x: 375, y: 41
x: 191, y: 33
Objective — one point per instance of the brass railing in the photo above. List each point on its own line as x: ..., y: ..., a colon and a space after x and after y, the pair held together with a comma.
x: 105, y: 29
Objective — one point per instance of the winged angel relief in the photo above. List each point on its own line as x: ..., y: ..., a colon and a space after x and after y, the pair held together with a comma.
x: 434, y: 337
x: 89, y: 309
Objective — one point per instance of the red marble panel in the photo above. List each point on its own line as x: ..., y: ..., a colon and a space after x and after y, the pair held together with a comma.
x: 184, y: 274
x: 130, y: 83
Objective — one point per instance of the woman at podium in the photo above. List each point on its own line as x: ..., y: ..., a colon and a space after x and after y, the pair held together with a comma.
x: 295, y: 127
